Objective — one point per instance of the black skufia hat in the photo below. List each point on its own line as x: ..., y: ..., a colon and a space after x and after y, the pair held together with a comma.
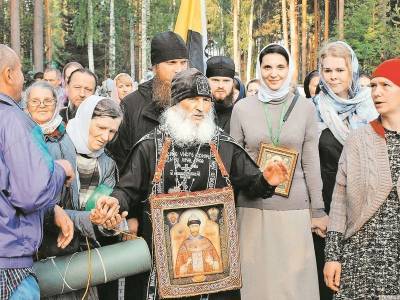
x: 220, y: 66
x: 167, y: 46
x: 188, y: 84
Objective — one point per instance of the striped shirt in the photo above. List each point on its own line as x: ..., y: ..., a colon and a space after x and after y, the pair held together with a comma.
x: 10, y: 279
x: 88, y: 177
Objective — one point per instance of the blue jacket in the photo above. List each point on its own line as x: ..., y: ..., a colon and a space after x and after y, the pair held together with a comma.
x: 29, y: 184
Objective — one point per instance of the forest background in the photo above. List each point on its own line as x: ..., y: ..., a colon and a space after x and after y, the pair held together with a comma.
x: 113, y: 36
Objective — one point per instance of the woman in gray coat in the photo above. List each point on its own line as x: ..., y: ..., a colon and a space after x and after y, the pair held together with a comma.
x: 276, y: 243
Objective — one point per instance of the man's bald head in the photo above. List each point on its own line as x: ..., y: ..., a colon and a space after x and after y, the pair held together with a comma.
x: 11, y: 77
x: 8, y: 58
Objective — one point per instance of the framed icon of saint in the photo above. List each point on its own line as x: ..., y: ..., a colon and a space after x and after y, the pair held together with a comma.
x: 196, y: 243
x: 288, y: 157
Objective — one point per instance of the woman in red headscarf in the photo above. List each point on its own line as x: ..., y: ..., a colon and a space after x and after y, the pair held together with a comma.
x: 363, y: 241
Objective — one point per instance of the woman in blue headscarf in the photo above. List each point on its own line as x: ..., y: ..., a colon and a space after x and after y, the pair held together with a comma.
x: 342, y: 106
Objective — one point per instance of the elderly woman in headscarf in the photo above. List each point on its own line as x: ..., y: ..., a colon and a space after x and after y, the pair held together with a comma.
x: 277, y: 255
x: 123, y: 86
x: 94, y: 127
x: 342, y: 106
x: 363, y: 240
x: 41, y: 105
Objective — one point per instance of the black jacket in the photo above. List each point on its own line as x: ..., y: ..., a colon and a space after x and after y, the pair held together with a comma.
x: 141, y: 116
x: 224, y: 118
x: 329, y: 153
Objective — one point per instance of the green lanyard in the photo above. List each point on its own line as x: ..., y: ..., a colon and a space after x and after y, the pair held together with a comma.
x: 275, y: 138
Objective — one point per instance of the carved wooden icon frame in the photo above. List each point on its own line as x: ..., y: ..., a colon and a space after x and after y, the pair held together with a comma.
x: 196, y: 242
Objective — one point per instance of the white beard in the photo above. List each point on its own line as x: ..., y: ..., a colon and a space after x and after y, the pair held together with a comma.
x: 184, y: 131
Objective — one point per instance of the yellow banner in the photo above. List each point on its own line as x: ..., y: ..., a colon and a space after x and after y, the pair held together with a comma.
x: 189, y: 18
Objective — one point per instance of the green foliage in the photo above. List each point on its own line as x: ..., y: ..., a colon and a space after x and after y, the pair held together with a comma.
x: 372, y: 28
x: 369, y: 32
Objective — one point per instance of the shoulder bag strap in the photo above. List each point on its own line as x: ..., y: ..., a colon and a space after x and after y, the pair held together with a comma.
x: 162, y: 160
x: 296, y: 96
x: 220, y: 163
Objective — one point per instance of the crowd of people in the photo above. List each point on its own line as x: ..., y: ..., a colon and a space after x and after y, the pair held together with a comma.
x: 334, y: 235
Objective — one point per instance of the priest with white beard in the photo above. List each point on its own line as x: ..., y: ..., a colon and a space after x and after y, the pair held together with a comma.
x: 190, y: 124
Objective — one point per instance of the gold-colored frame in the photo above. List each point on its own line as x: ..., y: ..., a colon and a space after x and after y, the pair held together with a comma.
x: 287, y: 156
x: 228, y: 277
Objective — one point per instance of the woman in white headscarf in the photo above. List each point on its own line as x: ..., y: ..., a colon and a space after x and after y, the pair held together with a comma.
x: 276, y: 247
x: 95, y: 124
x: 123, y: 86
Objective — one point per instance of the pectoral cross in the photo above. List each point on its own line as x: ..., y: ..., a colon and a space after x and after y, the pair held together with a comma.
x: 185, y: 174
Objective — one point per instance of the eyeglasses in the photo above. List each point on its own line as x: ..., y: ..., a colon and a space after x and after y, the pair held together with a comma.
x: 39, y: 102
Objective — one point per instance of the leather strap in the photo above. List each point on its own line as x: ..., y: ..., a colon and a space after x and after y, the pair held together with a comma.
x: 219, y: 160
x: 162, y: 161
x: 290, y: 108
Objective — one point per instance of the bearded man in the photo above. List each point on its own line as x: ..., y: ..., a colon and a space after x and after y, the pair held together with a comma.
x: 143, y: 108
x: 189, y: 125
x: 220, y: 74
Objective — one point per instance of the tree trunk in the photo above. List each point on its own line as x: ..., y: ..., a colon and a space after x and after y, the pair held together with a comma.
x: 285, y: 24
x: 303, y: 39
x: 317, y: 30
x: 15, y: 28
x: 111, y: 50
x: 326, y: 31
x: 294, y: 39
x: 132, y: 44
x: 172, y: 11
x: 145, y: 4
x: 222, y: 36
x: 38, y: 36
x: 90, y: 36
x: 48, y: 41
x: 236, y: 51
x: 341, y: 19
x: 250, y: 43
x: 2, y: 33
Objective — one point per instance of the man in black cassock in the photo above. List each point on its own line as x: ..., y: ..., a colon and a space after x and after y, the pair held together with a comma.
x: 142, y: 110
x: 190, y: 165
x: 220, y: 73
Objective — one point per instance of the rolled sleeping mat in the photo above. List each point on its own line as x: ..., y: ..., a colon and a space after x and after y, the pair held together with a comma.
x: 64, y: 274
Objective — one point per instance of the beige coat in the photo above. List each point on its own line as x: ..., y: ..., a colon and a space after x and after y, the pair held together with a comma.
x: 363, y: 181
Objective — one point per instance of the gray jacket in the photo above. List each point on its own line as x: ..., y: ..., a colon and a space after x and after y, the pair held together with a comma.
x: 61, y: 147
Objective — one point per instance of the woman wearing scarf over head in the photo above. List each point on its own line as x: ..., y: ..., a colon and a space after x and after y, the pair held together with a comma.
x: 95, y: 124
x: 363, y: 239
x: 41, y: 106
x: 276, y: 247
x: 342, y: 106
x: 123, y: 85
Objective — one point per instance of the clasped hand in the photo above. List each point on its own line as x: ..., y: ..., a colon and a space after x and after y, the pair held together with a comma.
x: 107, y: 213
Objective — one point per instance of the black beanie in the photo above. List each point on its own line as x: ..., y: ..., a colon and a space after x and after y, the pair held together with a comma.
x: 188, y: 84
x: 220, y: 66
x: 167, y: 46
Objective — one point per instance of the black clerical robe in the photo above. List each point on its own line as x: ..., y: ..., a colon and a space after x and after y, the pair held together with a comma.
x: 181, y: 171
